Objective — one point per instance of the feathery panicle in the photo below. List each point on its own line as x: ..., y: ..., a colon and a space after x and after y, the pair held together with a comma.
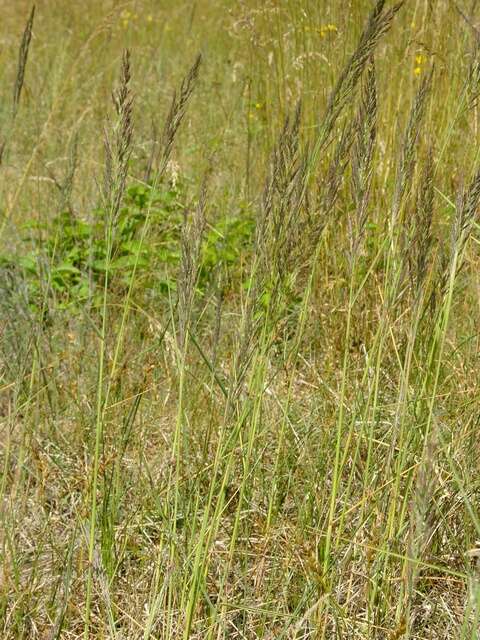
x: 378, y: 24
x: 283, y: 198
x: 472, y: 83
x: 118, y: 147
x: 330, y: 184
x: 336, y: 169
x: 22, y: 61
x: 407, y: 162
x: 174, y: 119
x: 277, y: 240
x: 107, y: 168
x: 191, y: 242
x: 422, y: 520
x: 20, y: 75
x: 420, y: 237
x: 362, y: 154
x: 465, y: 215
x: 124, y: 104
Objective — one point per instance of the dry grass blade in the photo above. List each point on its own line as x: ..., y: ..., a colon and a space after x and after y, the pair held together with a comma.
x: 22, y: 61
x: 65, y: 185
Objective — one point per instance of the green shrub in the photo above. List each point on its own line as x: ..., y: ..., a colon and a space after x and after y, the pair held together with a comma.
x: 67, y: 258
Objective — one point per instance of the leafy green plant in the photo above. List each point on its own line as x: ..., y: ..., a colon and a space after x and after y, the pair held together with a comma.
x: 226, y: 243
x: 67, y: 257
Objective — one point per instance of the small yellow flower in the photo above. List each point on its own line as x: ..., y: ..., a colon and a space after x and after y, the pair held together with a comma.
x: 125, y: 23
x: 419, y: 59
x: 149, y: 18
x: 258, y: 105
x: 327, y: 28
x: 417, y: 71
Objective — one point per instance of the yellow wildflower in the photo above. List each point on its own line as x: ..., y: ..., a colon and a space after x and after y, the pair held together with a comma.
x: 326, y: 29
x: 417, y: 71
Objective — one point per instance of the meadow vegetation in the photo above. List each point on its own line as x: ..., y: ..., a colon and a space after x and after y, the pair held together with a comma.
x: 239, y: 320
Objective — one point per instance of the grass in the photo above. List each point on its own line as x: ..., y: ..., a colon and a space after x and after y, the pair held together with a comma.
x: 239, y: 302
